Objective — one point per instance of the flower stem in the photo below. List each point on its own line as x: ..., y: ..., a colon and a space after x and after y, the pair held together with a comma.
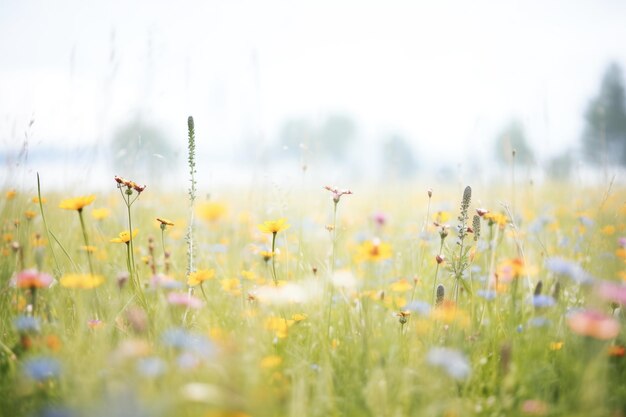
x: 274, y: 259
x: 86, y: 239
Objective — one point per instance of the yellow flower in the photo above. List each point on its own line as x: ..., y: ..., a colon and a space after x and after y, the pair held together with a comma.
x: 199, y: 276
x: 271, y: 361
x: 298, y: 317
x: 266, y: 255
x: 373, y: 250
x: 556, y: 345
x: 211, y: 211
x: 81, y: 281
x: 248, y: 275
x: 608, y: 230
x: 231, y: 285
x: 496, y: 218
x: 402, y: 285
x: 10, y: 195
x: 124, y: 237
x: 36, y: 200
x: 165, y: 222
x: 30, y: 214
x: 77, y: 203
x: 273, y: 226
x: 278, y: 325
x: 100, y: 213
x: 441, y: 217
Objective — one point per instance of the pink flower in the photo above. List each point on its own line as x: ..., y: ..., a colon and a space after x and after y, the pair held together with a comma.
x: 611, y: 291
x: 31, y: 278
x: 594, y: 324
x: 534, y: 407
x: 337, y: 193
x: 380, y: 218
x: 185, y: 300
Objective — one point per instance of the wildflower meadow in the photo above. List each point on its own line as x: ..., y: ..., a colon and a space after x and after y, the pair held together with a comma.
x: 323, y: 300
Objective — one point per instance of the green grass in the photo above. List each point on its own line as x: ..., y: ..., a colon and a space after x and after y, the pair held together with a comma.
x: 368, y: 363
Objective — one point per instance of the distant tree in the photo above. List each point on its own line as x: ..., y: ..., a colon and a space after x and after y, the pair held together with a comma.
x: 141, y: 150
x: 398, y: 159
x: 560, y: 167
x: 604, y: 138
x: 295, y: 132
x: 512, y: 138
x: 336, y: 135
x: 331, y: 140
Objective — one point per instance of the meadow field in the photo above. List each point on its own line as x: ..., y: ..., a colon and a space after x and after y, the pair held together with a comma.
x: 363, y: 300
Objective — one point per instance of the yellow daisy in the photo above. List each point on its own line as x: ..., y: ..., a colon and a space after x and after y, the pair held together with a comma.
x: 274, y: 226
x: 77, y: 203
x: 124, y: 237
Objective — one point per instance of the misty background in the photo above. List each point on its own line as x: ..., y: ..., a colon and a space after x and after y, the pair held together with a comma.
x: 348, y: 91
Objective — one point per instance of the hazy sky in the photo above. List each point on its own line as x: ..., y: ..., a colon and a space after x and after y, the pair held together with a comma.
x: 447, y: 74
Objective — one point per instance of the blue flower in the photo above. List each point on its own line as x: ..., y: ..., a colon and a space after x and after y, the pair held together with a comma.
x: 570, y: 269
x: 192, y: 342
x: 417, y: 306
x: 542, y: 301
x: 538, y: 322
x: 486, y: 294
x: 151, y: 367
x: 26, y: 324
x: 42, y: 368
x: 452, y: 361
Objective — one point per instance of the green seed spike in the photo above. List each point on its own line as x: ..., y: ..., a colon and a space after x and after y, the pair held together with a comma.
x: 538, y: 288
x: 476, y: 227
x: 440, y: 294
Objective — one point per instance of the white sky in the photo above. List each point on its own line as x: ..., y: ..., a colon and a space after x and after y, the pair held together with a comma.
x: 447, y: 74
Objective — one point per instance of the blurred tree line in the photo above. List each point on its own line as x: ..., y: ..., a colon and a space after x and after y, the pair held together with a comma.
x: 603, y: 139
x: 139, y: 147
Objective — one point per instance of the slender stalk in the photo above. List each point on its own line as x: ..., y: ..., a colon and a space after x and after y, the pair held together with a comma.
x: 86, y: 239
x: 45, y: 225
x: 332, y: 269
x: 163, y: 245
x: 274, y: 259
x: 436, y: 275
